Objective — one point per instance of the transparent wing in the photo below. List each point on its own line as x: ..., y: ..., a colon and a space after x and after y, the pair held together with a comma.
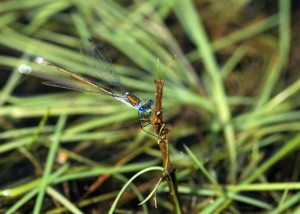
x: 98, y: 59
x: 73, y: 85
x: 70, y: 83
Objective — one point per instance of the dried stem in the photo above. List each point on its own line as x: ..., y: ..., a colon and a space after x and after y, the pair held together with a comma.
x: 162, y: 131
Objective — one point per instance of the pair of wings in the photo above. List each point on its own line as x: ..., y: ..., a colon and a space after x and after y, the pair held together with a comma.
x: 103, y: 69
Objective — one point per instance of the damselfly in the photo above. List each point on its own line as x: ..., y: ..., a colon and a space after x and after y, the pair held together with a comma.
x: 108, y: 81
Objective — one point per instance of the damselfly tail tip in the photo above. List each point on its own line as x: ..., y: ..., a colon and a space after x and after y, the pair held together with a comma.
x: 25, y: 69
x: 39, y: 60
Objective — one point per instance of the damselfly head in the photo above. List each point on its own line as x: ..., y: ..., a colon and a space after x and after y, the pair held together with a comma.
x: 150, y: 102
x: 145, y: 106
x: 25, y: 69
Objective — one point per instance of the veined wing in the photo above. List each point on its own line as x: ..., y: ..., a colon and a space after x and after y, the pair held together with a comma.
x: 75, y: 85
x: 98, y: 59
x: 75, y: 82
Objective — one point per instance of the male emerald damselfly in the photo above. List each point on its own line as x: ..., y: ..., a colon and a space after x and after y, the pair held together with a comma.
x: 108, y: 81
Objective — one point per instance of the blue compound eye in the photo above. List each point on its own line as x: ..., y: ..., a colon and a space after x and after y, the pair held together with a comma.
x: 142, y: 109
x: 145, y: 106
x: 150, y: 102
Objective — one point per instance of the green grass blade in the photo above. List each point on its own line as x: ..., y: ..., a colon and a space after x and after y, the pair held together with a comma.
x: 49, y: 164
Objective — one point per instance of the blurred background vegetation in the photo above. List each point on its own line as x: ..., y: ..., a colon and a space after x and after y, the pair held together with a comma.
x: 231, y: 96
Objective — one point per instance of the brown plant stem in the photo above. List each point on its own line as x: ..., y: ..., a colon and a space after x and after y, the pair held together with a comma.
x: 162, y: 132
